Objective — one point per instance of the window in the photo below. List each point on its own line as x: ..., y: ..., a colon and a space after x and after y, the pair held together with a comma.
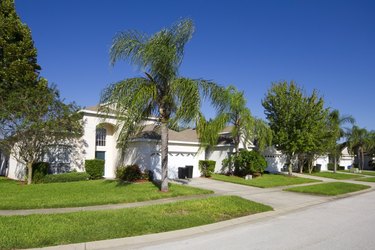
x: 100, y: 136
x: 100, y: 155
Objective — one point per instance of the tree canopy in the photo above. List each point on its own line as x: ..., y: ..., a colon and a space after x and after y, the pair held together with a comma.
x: 298, y: 121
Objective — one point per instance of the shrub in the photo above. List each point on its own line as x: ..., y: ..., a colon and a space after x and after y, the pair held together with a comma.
x: 39, y: 171
x: 95, y: 168
x: 341, y: 168
x: 66, y: 177
x: 330, y: 166
x: 129, y: 173
x: 207, y: 167
x: 249, y: 162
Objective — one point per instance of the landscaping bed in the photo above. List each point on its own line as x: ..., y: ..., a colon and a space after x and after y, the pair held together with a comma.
x: 329, y: 189
x: 265, y: 181
x: 337, y: 176
x: 16, y: 195
x: 56, y: 229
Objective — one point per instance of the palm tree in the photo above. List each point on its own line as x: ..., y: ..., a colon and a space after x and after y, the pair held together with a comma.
x: 235, y: 114
x: 335, y: 123
x: 360, y: 140
x: 261, y: 134
x: 160, y: 92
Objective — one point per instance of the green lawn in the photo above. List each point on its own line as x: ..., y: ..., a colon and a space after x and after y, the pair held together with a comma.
x: 337, y: 176
x: 55, y: 229
x: 265, y: 181
x: 329, y: 189
x: 15, y: 195
x: 365, y: 172
x: 368, y: 179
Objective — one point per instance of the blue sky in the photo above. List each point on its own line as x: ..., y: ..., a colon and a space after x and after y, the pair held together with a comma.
x: 324, y: 45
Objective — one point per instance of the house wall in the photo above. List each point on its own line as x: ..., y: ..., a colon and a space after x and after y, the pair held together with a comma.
x: 275, y: 159
x: 346, y: 159
x: 218, y: 154
x: 323, y: 161
x: 147, y: 154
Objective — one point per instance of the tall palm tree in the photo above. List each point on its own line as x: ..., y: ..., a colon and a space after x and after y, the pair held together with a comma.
x: 360, y: 140
x: 336, y: 131
x: 160, y: 92
x: 234, y: 113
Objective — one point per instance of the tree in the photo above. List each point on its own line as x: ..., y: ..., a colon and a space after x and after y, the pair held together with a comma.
x: 161, y: 92
x: 261, y: 134
x: 18, y: 63
x: 335, y: 123
x: 47, y: 122
x: 298, y: 122
x: 361, y: 141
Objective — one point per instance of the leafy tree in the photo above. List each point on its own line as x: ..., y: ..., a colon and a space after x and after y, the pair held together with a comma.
x: 161, y: 92
x: 45, y: 122
x: 361, y: 140
x: 261, y: 134
x: 336, y: 130
x: 18, y: 63
x: 298, y: 122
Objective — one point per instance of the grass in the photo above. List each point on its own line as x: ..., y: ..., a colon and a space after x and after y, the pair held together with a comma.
x: 55, y: 229
x: 368, y: 179
x: 365, y: 172
x: 329, y: 189
x: 15, y: 195
x: 265, y: 181
x: 337, y: 176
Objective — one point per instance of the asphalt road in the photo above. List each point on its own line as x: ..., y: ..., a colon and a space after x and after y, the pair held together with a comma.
x: 347, y: 223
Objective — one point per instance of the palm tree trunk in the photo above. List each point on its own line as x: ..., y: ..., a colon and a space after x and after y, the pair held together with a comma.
x: 362, y: 160
x: 164, y: 157
x: 29, y: 172
x: 334, y: 164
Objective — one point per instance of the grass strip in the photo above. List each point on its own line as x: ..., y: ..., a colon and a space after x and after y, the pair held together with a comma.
x: 337, y: 176
x: 329, y: 189
x: 364, y: 172
x: 367, y: 179
x: 56, y: 229
x: 265, y: 181
x: 15, y: 195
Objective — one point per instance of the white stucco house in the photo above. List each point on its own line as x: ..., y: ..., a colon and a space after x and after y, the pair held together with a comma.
x: 99, y: 141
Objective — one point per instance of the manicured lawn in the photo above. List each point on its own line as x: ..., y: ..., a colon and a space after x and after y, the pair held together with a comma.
x: 265, y: 181
x: 337, y: 176
x: 330, y: 189
x: 368, y: 179
x: 55, y: 229
x: 15, y: 195
x: 365, y: 172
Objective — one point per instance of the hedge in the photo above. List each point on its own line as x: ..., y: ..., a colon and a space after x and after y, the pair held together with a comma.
x: 95, y: 168
x: 207, y: 167
x: 66, y: 177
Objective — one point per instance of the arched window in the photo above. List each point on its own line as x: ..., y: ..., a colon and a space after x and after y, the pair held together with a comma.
x: 100, y: 136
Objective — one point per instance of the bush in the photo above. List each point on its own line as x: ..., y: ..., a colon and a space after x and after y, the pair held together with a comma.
x: 330, y: 166
x: 249, y: 162
x: 130, y: 173
x: 66, y: 177
x: 207, y: 167
x: 95, y: 168
x: 39, y: 171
